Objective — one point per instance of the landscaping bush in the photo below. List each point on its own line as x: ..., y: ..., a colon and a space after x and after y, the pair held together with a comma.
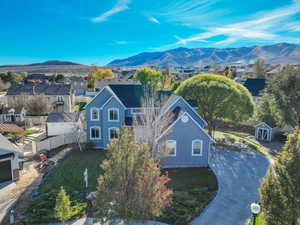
x: 186, y: 206
x: 88, y: 146
x: 41, y: 208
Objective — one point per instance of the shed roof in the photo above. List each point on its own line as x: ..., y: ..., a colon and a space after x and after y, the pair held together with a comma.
x: 64, y: 117
x: 6, y: 146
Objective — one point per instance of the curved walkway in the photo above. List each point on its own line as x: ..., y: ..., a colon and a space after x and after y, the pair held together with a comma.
x: 239, y: 176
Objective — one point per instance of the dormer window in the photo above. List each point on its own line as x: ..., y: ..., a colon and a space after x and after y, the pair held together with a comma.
x: 60, y: 98
x: 113, y: 114
x: 94, y: 114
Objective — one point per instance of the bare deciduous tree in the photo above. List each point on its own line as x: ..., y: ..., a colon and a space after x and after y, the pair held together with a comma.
x: 38, y: 105
x: 153, y: 121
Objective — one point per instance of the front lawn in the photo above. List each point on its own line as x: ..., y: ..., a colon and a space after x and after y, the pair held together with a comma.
x: 193, y: 189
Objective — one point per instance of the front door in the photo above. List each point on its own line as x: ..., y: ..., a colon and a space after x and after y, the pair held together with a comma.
x: 5, y: 171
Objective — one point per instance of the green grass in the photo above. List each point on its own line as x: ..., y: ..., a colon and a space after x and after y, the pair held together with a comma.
x: 188, y: 184
x: 29, y: 132
x: 259, y: 221
x: 69, y: 172
x: 189, y: 194
x: 183, y: 179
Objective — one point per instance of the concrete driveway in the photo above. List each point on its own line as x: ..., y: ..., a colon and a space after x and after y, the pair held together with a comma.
x: 239, y: 176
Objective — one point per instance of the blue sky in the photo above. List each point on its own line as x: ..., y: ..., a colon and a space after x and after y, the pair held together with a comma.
x: 98, y: 31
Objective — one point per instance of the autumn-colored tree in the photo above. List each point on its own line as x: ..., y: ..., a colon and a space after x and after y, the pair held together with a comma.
x: 63, y: 210
x: 97, y: 73
x: 132, y: 186
x: 280, y: 192
x: 103, y: 74
x: 150, y: 77
x: 218, y: 97
x: 230, y: 72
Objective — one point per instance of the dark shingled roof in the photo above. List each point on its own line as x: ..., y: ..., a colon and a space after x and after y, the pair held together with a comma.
x: 55, y: 117
x: 40, y: 88
x: 131, y: 95
x: 36, y: 76
x: 255, y: 86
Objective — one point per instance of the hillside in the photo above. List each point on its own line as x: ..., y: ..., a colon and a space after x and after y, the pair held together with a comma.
x: 272, y: 54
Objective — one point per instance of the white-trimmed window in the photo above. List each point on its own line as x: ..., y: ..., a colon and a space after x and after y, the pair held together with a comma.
x: 171, y: 147
x: 94, y: 114
x: 60, y: 98
x: 113, y: 133
x: 137, y: 111
x: 197, y: 147
x: 95, y: 133
x: 113, y: 114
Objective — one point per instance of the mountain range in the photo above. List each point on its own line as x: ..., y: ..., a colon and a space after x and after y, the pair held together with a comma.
x: 47, y: 63
x: 281, y: 53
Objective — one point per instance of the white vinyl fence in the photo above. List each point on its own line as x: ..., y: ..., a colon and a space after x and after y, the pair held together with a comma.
x: 57, y: 141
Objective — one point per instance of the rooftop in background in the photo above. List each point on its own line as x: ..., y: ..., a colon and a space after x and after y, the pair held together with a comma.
x: 255, y: 86
x: 10, y: 128
x: 55, y: 117
x: 40, y: 88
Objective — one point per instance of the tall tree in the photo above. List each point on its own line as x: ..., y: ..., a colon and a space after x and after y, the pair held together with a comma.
x: 150, y: 77
x: 285, y: 89
x: 132, y: 186
x: 63, y: 210
x: 280, y: 192
x: 267, y: 111
x: 259, y: 69
x: 218, y: 97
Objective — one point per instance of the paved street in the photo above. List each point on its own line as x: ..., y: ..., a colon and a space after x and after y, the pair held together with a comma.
x: 239, y: 177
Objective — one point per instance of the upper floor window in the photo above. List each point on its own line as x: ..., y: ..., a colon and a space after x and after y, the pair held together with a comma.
x: 95, y: 133
x: 113, y: 133
x: 113, y: 114
x: 197, y: 148
x: 171, y: 147
x: 60, y: 98
x: 94, y: 114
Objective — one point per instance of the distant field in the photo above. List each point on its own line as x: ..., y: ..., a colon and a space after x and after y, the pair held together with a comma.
x: 65, y: 69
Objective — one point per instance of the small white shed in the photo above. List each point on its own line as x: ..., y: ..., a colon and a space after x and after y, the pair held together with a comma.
x: 264, y: 132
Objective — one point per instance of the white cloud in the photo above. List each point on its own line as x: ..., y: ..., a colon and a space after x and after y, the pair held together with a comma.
x: 153, y: 20
x: 120, y: 6
x: 264, y: 26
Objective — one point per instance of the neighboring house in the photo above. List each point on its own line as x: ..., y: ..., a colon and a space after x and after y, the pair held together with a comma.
x: 36, y: 78
x: 255, y: 87
x: 264, y: 132
x: 9, y: 160
x: 184, y: 137
x: 12, y: 114
x: 59, y: 96
x: 78, y: 84
x: 63, y: 123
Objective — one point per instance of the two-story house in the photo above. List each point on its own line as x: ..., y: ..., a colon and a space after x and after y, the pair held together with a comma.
x: 59, y: 96
x: 184, y: 138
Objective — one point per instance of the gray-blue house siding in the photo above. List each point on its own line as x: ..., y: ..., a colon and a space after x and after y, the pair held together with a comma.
x: 183, y: 132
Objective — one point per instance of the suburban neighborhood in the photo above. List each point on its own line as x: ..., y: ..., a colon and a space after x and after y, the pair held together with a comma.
x: 150, y: 113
